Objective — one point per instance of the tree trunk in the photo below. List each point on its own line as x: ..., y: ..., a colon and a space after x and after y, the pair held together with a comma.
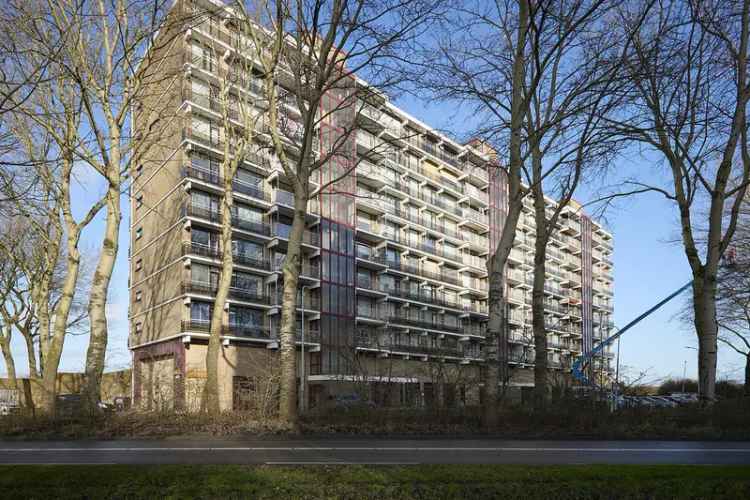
x: 497, y: 333
x: 212, y: 400
x: 292, y: 264
x: 97, y: 348
x: 51, y: 342
x: 10, y: 364
x: 541, y: 389
x: 706, y: 327
x: 747, y: 375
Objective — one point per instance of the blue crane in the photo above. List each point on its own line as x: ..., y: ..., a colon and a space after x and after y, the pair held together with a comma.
x: 580, y: 364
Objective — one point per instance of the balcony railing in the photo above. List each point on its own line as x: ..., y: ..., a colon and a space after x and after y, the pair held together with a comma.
x: 429, y: 298
x: 424, y: 323
x: 251, y: 226
x: 378, y: 257
x: 246, y: 295
x: 412, y: 269
x: 251, y: 260
x: 311, y: 302
x: 215, y: 179
x: 189, y: 247
x: 249, y: 331
x: 370, y: 312
x: 202, y: 212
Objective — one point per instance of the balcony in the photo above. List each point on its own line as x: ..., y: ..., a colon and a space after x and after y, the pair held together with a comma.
x: 427, y: 298
x: 202, y: 212
x: 251, y: 226
x: 230, y: 330
x: 214, y: 179
x: 248, y: 295
x: 371, y: 285
x: 476, y: 308
x: 205, y: 140
x: 191, y: 248
x: 307, y: 269
x: 312, y: 302
x: 450, y: 351
x: 416, y: 270
x: 247, y: 331
x: 245, y: 295
x: 424, y: 323
x: 211, y: 103
x: 252, y: 260
x: 369, y: 258
x: 283, y: 231
x: 370, y: 312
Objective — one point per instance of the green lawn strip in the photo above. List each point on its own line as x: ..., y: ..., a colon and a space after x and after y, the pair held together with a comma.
x: 375, y: 482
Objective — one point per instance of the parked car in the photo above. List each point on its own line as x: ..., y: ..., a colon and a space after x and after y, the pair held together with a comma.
x: 68, y: 405
x: 346, y: 401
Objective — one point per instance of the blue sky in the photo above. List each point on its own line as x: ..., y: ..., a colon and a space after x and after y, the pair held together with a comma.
x: 648, y: 267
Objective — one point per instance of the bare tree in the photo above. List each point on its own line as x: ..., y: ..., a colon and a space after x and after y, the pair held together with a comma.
x: 566, y: 134
x: 104, y: 43
x: 484, y: 57
x: 322, y: 50
x: 243, y: 117
x: 733, y: 295
x: 687, y: 97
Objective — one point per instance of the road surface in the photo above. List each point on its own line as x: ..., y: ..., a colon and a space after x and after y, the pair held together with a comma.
x: 374, y: 451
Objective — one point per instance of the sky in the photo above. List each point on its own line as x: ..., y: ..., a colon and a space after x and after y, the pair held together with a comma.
x: 648, y: 267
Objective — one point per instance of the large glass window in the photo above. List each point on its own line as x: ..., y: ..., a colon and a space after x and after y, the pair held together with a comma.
x: 200, y: 311
x: 245, y: 317
x: 248, y: 249
x: 246, y: 282
x: 249, y: 178
x: 204, y: 238
x: 203, y: 274
x: 203, y: 200
x: 248, y: 214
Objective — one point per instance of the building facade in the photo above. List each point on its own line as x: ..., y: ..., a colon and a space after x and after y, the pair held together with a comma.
x: 393, y: 290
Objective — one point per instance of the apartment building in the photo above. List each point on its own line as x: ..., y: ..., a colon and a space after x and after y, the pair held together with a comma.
x: 393, y: 289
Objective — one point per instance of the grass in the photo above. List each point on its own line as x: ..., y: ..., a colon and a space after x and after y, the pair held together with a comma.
x: 375, y: 482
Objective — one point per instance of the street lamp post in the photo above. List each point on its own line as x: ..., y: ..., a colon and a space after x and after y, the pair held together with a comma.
x: 684, y: 368
x: 684, y: 374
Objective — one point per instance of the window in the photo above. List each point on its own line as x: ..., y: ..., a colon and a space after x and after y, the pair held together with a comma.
x: 248, y: 249
x: 248, y: 178
x: 138, y: 171
x: 245, y: 317
x: 138, y: 233
x: 204, y: 201
x: 138, y: 201
x: 138, y: 295
x: 247, y: 214
x: 204, y: 238
x: 245, y: 282
x: 138, y: 327
x: 200, y: 312
x: 203, y: 275
x: 139, y: 264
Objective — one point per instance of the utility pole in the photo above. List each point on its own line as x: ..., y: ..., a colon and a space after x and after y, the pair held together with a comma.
x: 684, y: 374
x: 684, y: 368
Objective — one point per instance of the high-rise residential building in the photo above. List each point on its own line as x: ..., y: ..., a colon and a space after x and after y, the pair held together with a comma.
x: 393, y: 289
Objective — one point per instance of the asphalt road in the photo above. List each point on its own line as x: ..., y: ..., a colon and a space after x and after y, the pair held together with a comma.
x: 374, y: 451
